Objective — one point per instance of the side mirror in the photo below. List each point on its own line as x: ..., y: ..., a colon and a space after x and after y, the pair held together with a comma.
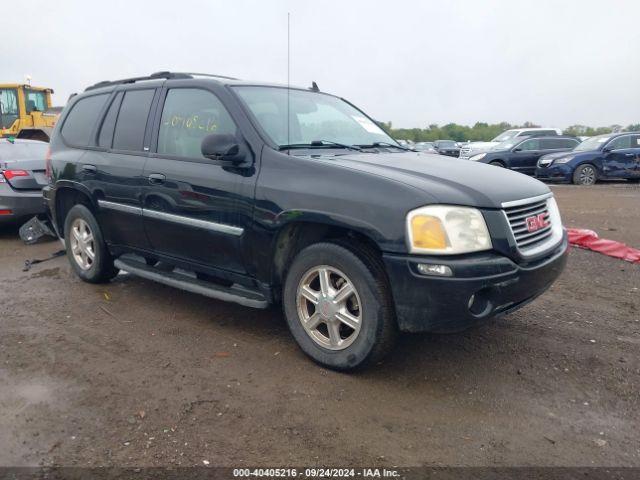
x: 223, y: 147
x: 607, y: 149
x: 517, y: 149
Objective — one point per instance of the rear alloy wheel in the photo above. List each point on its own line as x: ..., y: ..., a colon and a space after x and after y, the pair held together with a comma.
x: 338, y: 305
x: 585, y: 175
x: 86, y: 250
x: 82, y: 244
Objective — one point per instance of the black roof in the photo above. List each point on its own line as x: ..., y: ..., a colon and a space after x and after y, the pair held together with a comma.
x: 166, y: 75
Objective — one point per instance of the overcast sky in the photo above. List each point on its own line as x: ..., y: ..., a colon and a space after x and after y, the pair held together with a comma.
x: 414, y: 63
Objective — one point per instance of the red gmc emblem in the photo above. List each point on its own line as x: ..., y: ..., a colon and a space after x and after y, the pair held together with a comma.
x: 536, y: 222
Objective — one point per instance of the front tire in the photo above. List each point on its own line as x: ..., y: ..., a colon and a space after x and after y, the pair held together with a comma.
x: 585, y: 175
x: 338, y: 306
x: 497, y: 164
x: 86, y: 249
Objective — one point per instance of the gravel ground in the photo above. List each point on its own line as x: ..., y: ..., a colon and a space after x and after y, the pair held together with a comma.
x: 137, y: 374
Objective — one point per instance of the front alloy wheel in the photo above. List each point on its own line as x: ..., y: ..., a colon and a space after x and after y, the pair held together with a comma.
x: 329, y: 307
x: 585, y: 175
x: 338, y: 305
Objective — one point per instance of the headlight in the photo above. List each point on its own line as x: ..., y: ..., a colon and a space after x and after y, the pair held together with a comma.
x: 447, y: 230
x: 563, y: 159
x: 480, y: 156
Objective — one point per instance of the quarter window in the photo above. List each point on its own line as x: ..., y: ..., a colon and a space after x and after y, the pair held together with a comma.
x: 188, y: 116
x: 82, y: 119
x: 132, y: 120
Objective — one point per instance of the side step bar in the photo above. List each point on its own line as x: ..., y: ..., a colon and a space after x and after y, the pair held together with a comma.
x: 233, y: 294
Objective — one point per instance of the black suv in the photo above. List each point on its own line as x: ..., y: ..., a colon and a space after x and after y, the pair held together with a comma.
x: 522, y: 154
x: 206, y: 184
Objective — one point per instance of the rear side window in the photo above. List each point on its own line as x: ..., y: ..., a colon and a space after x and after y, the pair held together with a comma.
x: 553, y: 143
x: 132, y: 120
x: 108, y: 125
x: 82, y: 119
x: 188, y: 116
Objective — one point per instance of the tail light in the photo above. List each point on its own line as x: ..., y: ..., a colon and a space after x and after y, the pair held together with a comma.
x: 9, y: 174
x: 47, y: 165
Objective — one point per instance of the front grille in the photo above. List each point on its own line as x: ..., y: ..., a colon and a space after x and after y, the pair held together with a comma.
x: 517, y: 216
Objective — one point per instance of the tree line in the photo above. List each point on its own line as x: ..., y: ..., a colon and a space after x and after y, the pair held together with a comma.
x: 484, y: 132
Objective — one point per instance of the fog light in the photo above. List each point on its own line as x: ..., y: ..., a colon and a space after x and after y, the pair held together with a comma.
x: 439, y: 270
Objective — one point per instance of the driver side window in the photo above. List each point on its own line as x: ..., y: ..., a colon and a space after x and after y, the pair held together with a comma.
x: 533, y: 144
x: 620, y: 142
x: 189, y: 115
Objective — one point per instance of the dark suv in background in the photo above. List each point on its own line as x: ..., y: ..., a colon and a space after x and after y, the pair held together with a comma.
x: 208, y: 184
x: 609, y: 156
x: 522, y: 153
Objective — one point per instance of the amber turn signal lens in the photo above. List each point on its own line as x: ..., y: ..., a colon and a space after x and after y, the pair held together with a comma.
x: 428, y: 232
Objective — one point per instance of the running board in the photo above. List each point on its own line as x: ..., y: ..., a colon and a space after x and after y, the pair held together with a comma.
x: 233, y: 294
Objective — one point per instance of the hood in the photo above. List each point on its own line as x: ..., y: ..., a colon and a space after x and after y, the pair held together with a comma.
x: 481, y: 146
x: 446, y: 180
x: 551, y: 156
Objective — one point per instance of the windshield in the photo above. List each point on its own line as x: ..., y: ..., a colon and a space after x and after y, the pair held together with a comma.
x: 8, y: 107
x: 593, y: 143
x: 505, y: 136
x: 312, y: 117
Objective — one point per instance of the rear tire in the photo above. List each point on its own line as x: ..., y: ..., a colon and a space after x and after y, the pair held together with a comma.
x: 86, y: 249
x: 585, y: 175
x: 342, y: 331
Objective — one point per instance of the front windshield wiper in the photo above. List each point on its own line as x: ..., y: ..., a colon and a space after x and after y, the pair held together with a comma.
x: 319, y: 143
x: 387, y: 144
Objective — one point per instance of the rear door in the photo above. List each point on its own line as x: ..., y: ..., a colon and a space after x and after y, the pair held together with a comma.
x: 621, y: 160
x: 115, y: 167
x: 195, y: 209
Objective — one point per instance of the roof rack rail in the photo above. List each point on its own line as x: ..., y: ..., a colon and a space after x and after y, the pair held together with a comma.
x: 212, y: 75
x: 153, y: 76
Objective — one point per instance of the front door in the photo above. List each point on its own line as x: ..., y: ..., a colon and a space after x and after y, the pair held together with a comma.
x: 194, y: 209
x: 526, y: 155
x: 621, y: 158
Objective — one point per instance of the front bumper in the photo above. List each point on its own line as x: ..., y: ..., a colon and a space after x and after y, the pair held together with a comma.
x: 443, y: 304
x: 555, y: 173
x: 21, y: 204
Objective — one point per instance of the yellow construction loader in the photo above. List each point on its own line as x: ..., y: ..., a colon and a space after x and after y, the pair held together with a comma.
x: 26, y: 112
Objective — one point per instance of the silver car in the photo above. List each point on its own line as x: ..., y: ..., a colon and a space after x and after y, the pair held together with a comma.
x: 22, y: 176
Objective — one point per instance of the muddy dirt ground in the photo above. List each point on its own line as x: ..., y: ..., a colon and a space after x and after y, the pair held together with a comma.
x: 136, y: 374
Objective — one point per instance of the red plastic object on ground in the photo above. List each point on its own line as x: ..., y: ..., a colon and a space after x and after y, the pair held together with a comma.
x: 583, y: 238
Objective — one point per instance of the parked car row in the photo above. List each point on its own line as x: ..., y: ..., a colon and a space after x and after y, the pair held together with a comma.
x: 551, y: 156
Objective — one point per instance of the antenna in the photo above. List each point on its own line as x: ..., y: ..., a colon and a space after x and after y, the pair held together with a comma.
x: 288, y: 78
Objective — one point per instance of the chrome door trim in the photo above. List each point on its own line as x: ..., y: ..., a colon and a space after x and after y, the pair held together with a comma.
x: 193, y: 222
x: 121, y: 207
x: 171, y: 217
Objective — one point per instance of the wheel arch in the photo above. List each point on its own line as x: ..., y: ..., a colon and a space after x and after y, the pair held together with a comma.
x: 294, y: 236
x: 67, y: 195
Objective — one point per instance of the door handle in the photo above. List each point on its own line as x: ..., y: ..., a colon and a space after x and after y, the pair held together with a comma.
x: 156, y: 179
x: 89, y: 168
